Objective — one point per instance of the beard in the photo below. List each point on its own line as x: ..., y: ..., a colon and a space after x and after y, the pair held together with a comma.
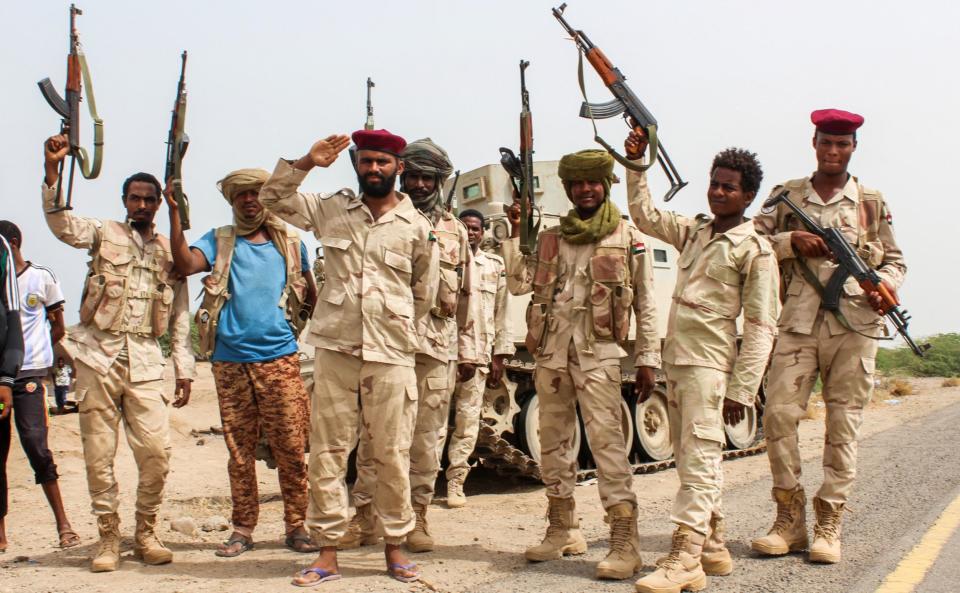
x: 376, y: 185
x: 141, y: 225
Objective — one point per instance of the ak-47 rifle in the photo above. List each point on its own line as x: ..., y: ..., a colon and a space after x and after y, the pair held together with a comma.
x: 624, y: 102
x: 850, y: 264
x: 69, y: 110
x: 177, y: 143
x: 368, y: 125
x: 453, y: 190
x: 520, y: 170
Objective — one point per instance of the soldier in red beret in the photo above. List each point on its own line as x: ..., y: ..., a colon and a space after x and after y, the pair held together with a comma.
x: 839, y: 346
x: 381, y: 262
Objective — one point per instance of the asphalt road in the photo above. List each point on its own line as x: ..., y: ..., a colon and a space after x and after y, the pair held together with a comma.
x: 907, y: 477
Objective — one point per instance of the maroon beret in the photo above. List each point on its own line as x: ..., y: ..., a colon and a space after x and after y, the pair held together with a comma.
x: 836, y: 121
x: 380, y: 140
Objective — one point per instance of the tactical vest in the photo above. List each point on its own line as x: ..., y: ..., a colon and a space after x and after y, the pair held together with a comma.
x: 451, y: 268
x: 107, y: 293
x: 216, y: 295
x: 611, y: 287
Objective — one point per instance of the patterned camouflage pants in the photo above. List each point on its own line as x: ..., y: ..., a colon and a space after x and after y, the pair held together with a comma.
x: 104, y: 402
x: 388, y: 395
x: 695, y: 404
x: 267, y: 396
x: 845, y: 363
x: 435, y: 383
x: 598, y: 393
x: 467, y: 402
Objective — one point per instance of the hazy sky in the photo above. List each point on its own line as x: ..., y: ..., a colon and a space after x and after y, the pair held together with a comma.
x: 267, y: 79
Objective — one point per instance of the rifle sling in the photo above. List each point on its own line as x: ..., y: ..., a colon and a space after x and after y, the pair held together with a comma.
x: 812, y: 279
x: 90, y: 170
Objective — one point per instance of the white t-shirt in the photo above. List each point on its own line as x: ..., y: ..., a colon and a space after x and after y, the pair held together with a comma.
x: 61, y: 376
x: 39, y: 292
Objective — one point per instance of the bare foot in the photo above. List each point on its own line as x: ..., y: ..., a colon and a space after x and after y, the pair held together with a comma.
x: 324, y: 568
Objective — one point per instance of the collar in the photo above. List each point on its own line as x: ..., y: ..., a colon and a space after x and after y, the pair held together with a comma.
x: 850, y: 191
x: 736, y: 235
x: 404, y: 209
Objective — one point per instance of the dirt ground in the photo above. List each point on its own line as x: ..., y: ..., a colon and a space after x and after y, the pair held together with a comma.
x: 479, y: 546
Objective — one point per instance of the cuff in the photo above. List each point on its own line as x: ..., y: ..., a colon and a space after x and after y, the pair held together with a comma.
x: 7, y: 381
x: 740, y: 397
x: 782, y: 247
x: 648, y: 359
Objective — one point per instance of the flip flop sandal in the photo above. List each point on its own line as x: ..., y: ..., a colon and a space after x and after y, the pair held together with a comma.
x: 325, y: 576
x: 69, y: 538
x: 394, y: 567
x: 245, y: 545
x: 301, y: 543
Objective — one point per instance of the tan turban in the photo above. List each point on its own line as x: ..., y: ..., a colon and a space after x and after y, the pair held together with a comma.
x: 243, y: 180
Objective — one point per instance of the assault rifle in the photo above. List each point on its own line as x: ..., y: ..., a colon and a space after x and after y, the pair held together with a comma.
x: 177, y: 143
x: 453, y: 190
x: 520, y: 170
x: 69, y: 110
x: 850, y: 264
x: 624, y: 102
x: 368, y: 125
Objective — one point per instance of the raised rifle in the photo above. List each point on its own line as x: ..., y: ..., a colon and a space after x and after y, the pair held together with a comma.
x: 177, y: 143
x: 520, y: 170
x: 624, y: 103
x: 453, y: 190
x: 368, y: 125
x: 69, y: 110
x: 849, y: 264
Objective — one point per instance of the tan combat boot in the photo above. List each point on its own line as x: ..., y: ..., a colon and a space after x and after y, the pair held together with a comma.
x: 361, y: 531
x: 563, y: 532
x: 681, y: 569
x: 623, y: 560
x: 419, y: 539
x: 455, y: 496
x: 146, y: 545
x: 107, y: 558
x: 715, y: 559
x: 789, y: 531
x: 826, y: 533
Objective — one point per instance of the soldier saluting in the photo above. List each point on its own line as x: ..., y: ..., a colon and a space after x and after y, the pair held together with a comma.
x: 840, y: 346
x: 131, y: 297
x: 586, y: 275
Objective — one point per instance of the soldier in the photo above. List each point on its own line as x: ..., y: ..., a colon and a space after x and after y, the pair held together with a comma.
x: 381, y: 274
x: 724, y: 268
x: 586, y: 275
x: 252, y: 304
x: 131, y: 297
x: 450, y: 351
x: 490, y: 285
x: 840, y: 346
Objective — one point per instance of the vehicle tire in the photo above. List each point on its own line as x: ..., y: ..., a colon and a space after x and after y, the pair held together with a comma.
x: 626, y: 425
x: 528, y: 428
x: 652, y: 426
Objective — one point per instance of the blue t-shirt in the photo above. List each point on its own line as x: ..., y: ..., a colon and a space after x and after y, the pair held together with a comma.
x: 252, y: 326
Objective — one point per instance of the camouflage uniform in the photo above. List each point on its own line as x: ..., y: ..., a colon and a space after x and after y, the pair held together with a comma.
x: 380, y: 281
x: 131, y: 297
x: 814, y: 342
x: 490, y: 286
x: 257, y: 397
x: 718, y: 276
x: 576, y: 324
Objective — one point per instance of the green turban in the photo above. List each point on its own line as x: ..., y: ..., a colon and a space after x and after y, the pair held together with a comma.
x: 591, y: 164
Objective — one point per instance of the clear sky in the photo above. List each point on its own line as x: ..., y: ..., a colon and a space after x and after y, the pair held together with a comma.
x: 267, y: 79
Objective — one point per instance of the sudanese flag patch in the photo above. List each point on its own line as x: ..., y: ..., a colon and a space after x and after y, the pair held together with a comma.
x: 638, y: 248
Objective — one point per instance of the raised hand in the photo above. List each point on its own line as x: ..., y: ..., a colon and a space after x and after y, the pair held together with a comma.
x: 324, y: 152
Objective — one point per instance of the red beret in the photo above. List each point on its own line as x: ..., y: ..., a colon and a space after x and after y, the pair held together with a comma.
x: 836, y: 121
x: 380, y: 140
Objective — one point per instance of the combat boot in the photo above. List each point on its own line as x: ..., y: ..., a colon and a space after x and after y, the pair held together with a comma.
x: 107, y: 558
x: 715, y: 559
x: 826, y: 533
x: 623, y: 560
x: 419, y: 539
x: 361, y: 531
x: 146, y: 545
x: 455, y: 496
x: 789, y: 531
x: 563, y: 532
x: 681, y: 569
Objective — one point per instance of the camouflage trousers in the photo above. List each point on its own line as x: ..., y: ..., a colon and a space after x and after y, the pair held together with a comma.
x: 598, y: 393
x: 435, y: 382
x: 268, y: 397
x: 845, y: 363
x: 104, y: 402
x: 467, y: 402
x: 344, y: 383
x: 695, y: 407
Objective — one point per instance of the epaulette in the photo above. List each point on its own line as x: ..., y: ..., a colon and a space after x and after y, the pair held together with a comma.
x: 345, y: 193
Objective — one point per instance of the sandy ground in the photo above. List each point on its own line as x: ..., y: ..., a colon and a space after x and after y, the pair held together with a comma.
x: 479, y: 546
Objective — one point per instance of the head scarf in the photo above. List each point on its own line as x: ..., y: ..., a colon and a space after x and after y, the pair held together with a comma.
x: 591, y: 164
x: 426, y: 157
x: 240, y: 181
x: 588, y: 165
